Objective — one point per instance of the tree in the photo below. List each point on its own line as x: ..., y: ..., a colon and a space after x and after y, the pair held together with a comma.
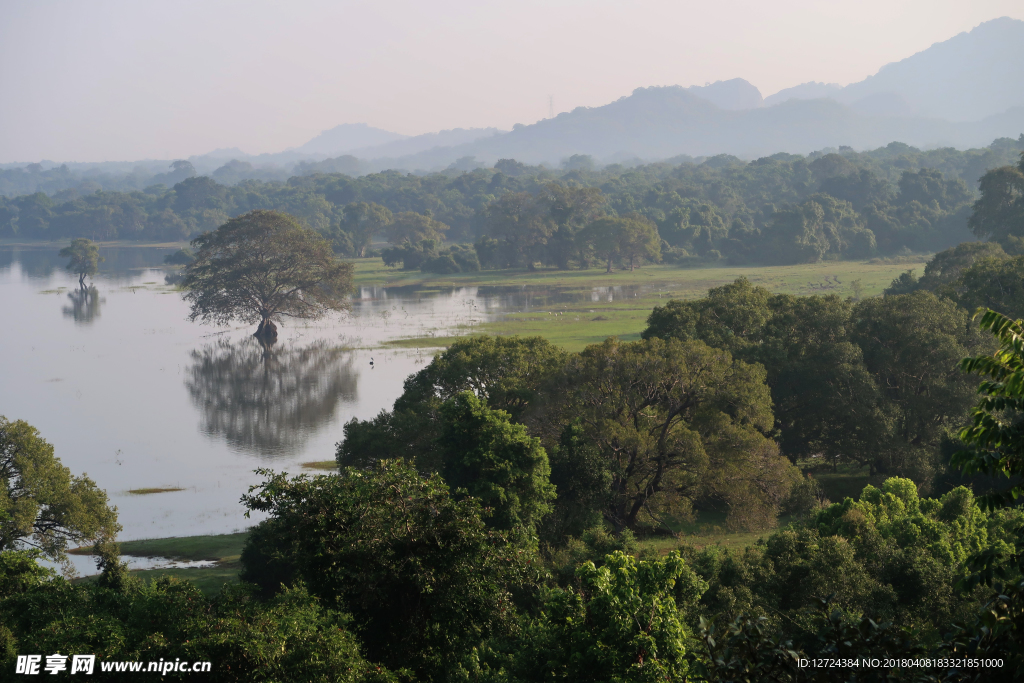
x: 362, y: 221
x: 677, y: 423
x: 603, y: 236
x: 85, y: 258
x: 571, y: 207
x: 506, y: 372
x: 495, y: 461
x: 419, y: 571
x: 638, y: 239
x: 42, y: 505
x: 515, y: 219
x: 912, y: 344
x: 622, y: 623
x: 992, y: 283
x: 995, y: 439
x: 999, y: 213
x: 824, y: 398
x: 262, y: 266
x: 409, y: 226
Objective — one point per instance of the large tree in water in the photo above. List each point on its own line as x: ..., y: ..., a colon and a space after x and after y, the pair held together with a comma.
x: 263, y: 266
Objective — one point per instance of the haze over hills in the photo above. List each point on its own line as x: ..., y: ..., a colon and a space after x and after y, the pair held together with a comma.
x: 663, y: 122
x: 962, y: 92
x: 971, y: 76
x: 346, y: 137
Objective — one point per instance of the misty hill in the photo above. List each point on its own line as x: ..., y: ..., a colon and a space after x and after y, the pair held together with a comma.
x: 422, y: 143
x: 805, y: 91
x: 732, y: 94
x: 971, y: 76
x: 662, y: 122
x: 345, y: 138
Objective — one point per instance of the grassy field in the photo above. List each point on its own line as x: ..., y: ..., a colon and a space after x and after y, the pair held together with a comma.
x: 223, y: 549
x: 592, y: 318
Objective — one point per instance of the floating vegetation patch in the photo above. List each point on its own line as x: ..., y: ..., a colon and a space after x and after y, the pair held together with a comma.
x: 321, y: 465
x: 155, y: 489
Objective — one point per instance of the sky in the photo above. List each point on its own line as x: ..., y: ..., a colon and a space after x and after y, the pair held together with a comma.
x: 113, y: 80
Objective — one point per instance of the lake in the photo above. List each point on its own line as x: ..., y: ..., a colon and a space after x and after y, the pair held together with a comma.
x: 134, y: 395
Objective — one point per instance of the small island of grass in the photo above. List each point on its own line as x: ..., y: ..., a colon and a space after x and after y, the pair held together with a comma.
x: 154, y: 489
x: 321, y: 465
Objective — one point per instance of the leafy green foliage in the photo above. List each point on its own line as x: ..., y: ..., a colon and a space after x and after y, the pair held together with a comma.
x: 824, y: 398
x: 675, y: 422
x: 872, y: 382
x: 911, y: 345
x: 505, y: 371
x: 999, y: 213
x: 622, y: 622
x: 84, y: 258
x: 495, y: 461
x: 890, y: 554
x: 420, y: 572
x: 263, y: 266
x: 996, y: 438
x: 290, y: 637
x: 43, y: 505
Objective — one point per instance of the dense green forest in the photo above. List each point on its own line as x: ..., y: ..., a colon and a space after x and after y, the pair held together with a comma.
x: 513, y: 518
x: 779, y: 209
x: 497, y: 523
x: 506, y: 548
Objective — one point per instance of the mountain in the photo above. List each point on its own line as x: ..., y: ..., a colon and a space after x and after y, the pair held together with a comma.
x: 662, y: 122
x: 972, y: 76
x: 421, y: 143
x: 805, y: 91
x: 345, y: 138
x: 732, y: 94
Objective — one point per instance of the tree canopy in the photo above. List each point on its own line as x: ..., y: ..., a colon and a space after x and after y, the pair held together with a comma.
x: 261, y: 267
x: 84, y: 258
x: 43, y: 505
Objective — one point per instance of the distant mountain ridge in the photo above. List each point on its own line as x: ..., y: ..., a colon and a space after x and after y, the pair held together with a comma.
x: 346, y: 137
x: 971, y: 76
x: 662, y: 122
x: 962, y: 92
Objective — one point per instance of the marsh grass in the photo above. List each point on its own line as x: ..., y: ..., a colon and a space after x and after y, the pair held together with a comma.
x: 154, y: 489
x: 593, y: 318
x: 321, y: 465
x: 210, y: 580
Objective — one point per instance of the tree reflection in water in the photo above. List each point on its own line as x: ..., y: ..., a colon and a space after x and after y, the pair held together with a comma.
x: 268, y: 399
x: 85, y: 305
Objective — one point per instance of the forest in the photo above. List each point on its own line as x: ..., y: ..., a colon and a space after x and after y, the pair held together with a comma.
x: 781, y: 209
x: 515, y: 516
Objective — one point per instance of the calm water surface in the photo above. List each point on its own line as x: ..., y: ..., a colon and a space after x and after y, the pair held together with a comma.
x: 131, y: 393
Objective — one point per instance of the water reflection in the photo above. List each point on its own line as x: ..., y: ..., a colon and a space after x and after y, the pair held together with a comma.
x: 268, y: 399
x: 119, y: 263
x: 85, y: 305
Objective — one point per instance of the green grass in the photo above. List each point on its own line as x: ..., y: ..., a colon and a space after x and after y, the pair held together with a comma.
x: 575, y: 325
x: 220, y: 548
x: 321, y: 465
x: 223, y: 549
x: 156, y: 489
x: 209, y: 580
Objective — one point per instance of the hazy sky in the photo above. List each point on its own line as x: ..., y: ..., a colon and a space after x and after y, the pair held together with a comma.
x: 111, y: 80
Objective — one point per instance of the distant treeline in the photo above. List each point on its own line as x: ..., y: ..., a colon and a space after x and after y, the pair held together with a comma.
x: 779, y: 209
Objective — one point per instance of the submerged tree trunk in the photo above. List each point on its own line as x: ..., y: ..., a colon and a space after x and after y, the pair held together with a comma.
x: 267, y: 331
